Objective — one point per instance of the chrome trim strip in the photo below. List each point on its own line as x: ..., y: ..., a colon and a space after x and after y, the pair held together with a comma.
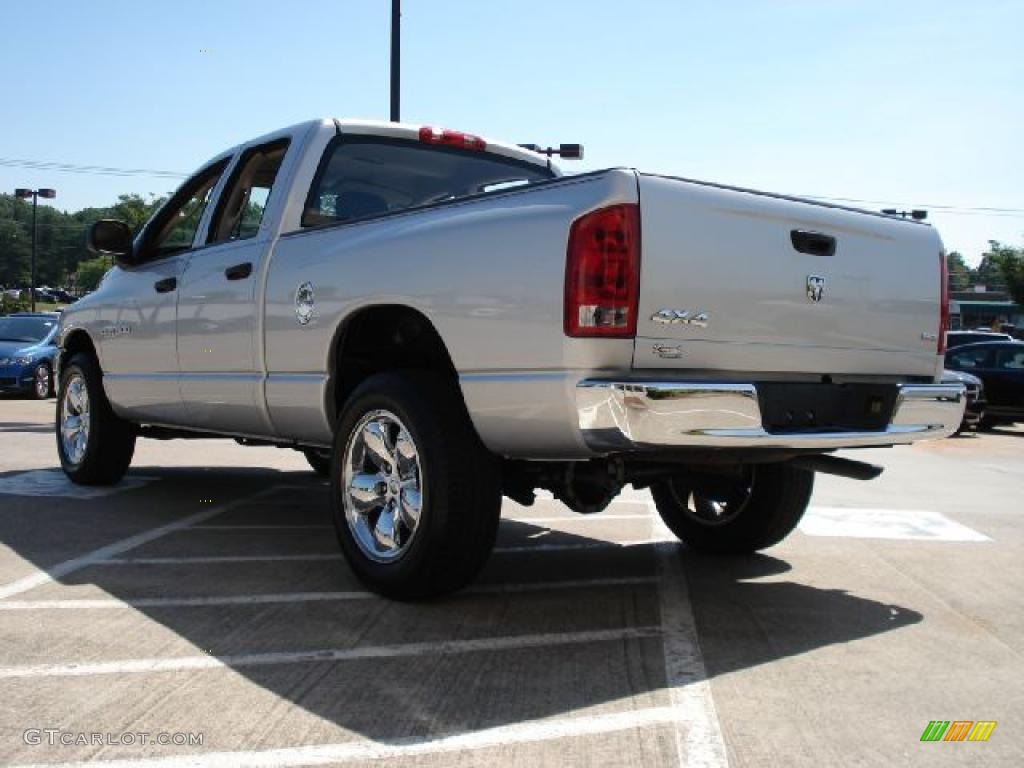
x: 625, y: 415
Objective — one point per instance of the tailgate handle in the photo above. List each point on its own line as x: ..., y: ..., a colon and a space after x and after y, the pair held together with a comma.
x: 814, y: 243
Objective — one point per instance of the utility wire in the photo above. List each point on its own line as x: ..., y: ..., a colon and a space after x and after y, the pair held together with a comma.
x: 929, y: 206
x: 103, y: 170
x: 94, y: 170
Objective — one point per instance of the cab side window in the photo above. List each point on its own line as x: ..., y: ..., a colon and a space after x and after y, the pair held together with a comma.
x: 174, y: 227
x: 241, y: 206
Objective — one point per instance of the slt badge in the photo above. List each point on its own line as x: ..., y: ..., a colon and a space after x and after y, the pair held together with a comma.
x: 815, y: 287
x: 304, y: 303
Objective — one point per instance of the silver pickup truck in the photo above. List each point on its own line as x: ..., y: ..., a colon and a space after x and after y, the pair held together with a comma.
x: 436, y: 319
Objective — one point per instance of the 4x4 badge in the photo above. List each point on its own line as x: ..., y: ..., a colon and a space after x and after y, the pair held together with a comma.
x: 680, y: 317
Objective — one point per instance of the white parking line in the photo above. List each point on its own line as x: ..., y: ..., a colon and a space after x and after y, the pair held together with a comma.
x: 104, y: 553
x: 899, y: 524
x: 53, y: 482
x: 595, y: 518
x: 700, y: 743
x: 551, y: 519
x: 179, y: 602
x: 578, y: 545
x: 360, y: 751
x: 211, y: 559
x: 441, y: 648
x: 304, y: 597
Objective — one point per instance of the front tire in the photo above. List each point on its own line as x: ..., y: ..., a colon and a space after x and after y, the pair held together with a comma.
x: 756, y: 511
x: 416, y: 496
x: 94, y: 445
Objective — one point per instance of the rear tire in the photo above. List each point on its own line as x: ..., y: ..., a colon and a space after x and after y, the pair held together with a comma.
x: 94, y: 445
x: 416, y: 496
x: 764, y: 508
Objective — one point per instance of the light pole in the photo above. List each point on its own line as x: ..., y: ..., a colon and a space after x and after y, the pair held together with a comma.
x: 35, y: 194
x: 396, y: 59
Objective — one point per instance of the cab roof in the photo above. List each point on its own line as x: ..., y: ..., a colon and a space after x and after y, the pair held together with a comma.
x: 407, y: 131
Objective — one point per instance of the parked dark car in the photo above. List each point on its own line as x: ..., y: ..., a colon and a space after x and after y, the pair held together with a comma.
x: 959, y: 338
x: 975, y: 410
x: 27, y: 353
x: 1000, y: 365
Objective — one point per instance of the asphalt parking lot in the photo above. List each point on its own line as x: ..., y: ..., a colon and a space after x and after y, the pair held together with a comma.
x: 207, y: 595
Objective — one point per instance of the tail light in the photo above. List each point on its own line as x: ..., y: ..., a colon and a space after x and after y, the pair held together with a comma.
x: 429, y: 135
x: 602, y: 273
x: 944, y: 303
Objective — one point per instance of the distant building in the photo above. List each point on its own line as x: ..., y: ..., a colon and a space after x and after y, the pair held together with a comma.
x: 983, y: 309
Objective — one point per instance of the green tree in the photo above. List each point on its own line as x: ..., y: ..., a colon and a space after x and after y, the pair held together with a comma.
x: 988, y: 272
x: 134, y: 210
x: 959, y: 272
x: 15, y: 241
x: 60, y: 237
x: 1010, y: 263
x: 90, y: 272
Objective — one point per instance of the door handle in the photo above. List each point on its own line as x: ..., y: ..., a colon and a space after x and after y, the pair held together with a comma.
x: 814, y: 243
x: 166, y: 285
x: 239, y: 271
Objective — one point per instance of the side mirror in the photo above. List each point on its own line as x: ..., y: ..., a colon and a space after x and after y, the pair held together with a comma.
x: 109, y: 237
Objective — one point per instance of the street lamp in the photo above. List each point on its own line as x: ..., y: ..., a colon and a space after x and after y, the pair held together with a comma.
x: 35, y: 194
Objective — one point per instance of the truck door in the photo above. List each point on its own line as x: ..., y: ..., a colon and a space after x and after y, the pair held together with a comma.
x: 140, y: 365
x: 218, y: 315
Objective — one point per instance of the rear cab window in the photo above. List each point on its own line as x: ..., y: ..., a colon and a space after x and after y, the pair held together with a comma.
x: 365, y: 176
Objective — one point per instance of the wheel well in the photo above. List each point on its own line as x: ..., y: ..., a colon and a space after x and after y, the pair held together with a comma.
x: 77, y: 341
x: 386, y: 338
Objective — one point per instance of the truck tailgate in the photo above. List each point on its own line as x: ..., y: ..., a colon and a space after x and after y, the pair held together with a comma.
x: 733, y: 280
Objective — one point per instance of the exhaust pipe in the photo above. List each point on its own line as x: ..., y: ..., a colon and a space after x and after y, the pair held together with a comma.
x: 834, y: 465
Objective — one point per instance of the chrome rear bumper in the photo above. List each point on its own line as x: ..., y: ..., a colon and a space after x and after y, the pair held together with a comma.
x: 621, y: 415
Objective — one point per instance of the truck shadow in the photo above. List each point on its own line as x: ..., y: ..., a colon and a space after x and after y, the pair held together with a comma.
x: 743, y: 622
x: 448, y: 685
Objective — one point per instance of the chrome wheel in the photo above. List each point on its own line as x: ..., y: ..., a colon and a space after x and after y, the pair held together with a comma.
x: 74, y: 419
x: 382, y: 486
x: 42, y: 382
x: 714, y: 507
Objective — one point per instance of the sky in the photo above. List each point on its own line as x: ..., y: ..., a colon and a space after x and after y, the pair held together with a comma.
x: 905, y: 104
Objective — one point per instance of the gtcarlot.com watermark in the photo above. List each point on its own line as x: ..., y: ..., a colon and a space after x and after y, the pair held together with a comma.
x: 54, y: 737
